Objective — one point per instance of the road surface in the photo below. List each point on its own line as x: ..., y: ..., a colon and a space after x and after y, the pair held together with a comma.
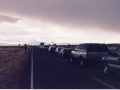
x: 52, y: 72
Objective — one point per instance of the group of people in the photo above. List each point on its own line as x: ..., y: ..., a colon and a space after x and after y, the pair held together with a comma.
x: 27, y: 48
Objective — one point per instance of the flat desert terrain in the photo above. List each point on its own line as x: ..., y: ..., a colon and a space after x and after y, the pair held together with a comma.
x: 12, y: 63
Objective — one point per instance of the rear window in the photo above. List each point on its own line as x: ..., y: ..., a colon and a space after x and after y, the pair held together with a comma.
x: 67, y: 50
x: 46, y: 46
x: 97, y: 48
x: 59, y: 49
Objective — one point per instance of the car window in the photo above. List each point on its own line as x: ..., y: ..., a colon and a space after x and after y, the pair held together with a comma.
x: 76, y: 47
x: 79, y: 47
x: 117, y: 50
x: 67, y: 50
x: 59, y: 49
x: 97, y: 48
x: 91, y: 48
x: 83, y: 47
x: 102, y: 48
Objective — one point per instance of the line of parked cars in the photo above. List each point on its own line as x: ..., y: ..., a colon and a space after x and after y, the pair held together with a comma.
x: 87, y: 53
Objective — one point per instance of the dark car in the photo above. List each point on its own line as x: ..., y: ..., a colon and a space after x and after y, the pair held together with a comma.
x: 45, y: 47
x: 65, y: 52
x: 89, y: 53
x: 58, y: 49
x: 52, y: 49
x: 111, y: 63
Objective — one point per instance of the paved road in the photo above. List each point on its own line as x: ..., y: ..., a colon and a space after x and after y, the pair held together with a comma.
x: 53, y: 72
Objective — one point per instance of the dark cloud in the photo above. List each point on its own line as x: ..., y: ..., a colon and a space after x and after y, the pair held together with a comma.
x: 4, y: 18
x: 80, y: 13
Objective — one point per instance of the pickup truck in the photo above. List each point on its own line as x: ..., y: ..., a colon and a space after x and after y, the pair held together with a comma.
x: 65, y: 52
x: 45, y: 47
x: 52, y: 49
x: 89, y: 53
x: 58, y: 49
x: 111, y: 62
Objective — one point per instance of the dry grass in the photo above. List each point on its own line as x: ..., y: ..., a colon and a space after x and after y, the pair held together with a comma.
x: 12, y: 62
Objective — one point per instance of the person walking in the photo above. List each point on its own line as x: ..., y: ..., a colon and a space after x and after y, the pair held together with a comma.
x: 25, y: 47
x: 29, y: 49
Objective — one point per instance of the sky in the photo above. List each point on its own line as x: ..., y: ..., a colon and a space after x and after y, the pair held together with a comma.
x: 59, y: 21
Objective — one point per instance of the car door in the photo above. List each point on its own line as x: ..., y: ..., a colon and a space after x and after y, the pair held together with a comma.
x: 118, y: 65
x: 60, y: 51
x: 118, y: 61
x: 114, y: 61
x: 92, y: 51
x: 74, y: 52
x: 83, y: 51
x: 78, y: 51
x: 113, y: 66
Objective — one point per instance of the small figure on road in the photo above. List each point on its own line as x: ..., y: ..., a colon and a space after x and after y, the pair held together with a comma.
x: 25, y: 47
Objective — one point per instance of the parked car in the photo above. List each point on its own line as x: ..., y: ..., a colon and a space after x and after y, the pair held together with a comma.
x: 45, y: 47
x: 89, y: 53
x: 111, y: 63
x: 40, y: 46
x: 65, y: 52
x: 51, y: 49
x: 58, y: 49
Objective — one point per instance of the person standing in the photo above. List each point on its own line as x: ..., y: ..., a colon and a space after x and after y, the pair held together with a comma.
x: 25, y: 47
x: 29, y: 49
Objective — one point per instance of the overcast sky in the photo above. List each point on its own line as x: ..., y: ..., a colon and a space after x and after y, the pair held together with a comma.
x: 59, y: 21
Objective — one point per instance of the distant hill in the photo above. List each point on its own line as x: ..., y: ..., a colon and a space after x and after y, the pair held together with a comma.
x: 34, y: 43
x: 4, y: 44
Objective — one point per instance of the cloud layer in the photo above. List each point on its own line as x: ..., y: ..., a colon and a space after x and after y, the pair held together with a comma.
x: 80, y: 13
x: 59, y: 21
x: 9, y: 19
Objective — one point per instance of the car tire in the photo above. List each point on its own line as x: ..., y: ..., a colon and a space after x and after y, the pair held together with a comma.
x: 106, y: 69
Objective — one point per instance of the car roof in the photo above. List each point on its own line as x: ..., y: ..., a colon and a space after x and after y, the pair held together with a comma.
x: 46, y: 45
x: 60, y: 47
x: 66, y: 48
x: 92, y: 44
x: 87, y: 44
x: 52, y: 46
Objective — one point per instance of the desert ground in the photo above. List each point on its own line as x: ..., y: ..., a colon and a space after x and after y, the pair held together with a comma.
x: 12, y: 63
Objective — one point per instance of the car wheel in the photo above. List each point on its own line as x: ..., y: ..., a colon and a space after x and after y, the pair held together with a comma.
x: 106, y: 69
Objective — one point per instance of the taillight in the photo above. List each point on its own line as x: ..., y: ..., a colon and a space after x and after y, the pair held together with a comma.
x: 86, y: 53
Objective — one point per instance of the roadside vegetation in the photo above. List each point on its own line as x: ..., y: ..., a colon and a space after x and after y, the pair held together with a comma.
x: 12, y: 62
